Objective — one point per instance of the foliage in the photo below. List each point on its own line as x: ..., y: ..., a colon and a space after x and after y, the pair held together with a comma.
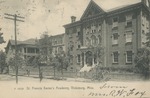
x: 20, y: 62
x: 99, y: 52
x: 45, y: 47
x: 142, y: 61
x: 63, y: 61
x: 2, y: 61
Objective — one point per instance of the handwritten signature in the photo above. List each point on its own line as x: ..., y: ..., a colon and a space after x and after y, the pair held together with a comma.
x: 119, y: 93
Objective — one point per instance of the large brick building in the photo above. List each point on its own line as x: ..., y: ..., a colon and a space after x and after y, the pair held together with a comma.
x: 121, y: 31
x: 58, y: 43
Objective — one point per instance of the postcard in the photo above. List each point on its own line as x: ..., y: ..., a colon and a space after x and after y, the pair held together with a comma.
x: 75, y: 49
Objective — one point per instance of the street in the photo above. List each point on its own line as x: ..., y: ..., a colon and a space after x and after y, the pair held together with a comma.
x: 29, y: 87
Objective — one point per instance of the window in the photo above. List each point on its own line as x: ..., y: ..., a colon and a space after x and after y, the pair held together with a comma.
x: 129, y: 24
x: 71, y: 48
x: 99, y: 27
x: 94, y: 40
x: 143, y: 37
x: 115, y: 22
x: 115, y: 19
x: 25, y: 50
x: 71, y: 59
x: 115, y: 57
x: 88, y: 42
x: 94, y: 31
x: 60, y: 49
x: 129, y: 17
x: 30, y: 50
x: 79, y: 46
x: 87, y: 31
x: 71, y: 45
x: 143, y: 31
x: 99, y: 39
x: 143, y: 20
x: 129, y: 20
x: 55, y: 50
x: 128, y: 36
x: 78, y: 34
x: 70, y: 35
x: 129, y: 57
x: 147, y: 24
x: 78, y: 58
x: 61, y: 40
x: 37, y: 50
x: 115, y: 39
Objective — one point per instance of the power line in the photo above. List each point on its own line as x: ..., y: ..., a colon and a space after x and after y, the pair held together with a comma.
x: 15, y: 18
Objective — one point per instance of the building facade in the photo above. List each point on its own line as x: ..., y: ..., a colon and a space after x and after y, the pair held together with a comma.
x: 27, y: 48
x: 32, y: 47
x: 120, y: 31
x: 58, y: 43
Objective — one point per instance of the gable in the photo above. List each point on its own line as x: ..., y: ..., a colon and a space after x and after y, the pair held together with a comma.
x: 91, y: 10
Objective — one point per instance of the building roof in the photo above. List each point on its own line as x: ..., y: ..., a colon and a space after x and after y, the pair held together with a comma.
x: 28, y: 42
x: 103, y: 9
x: 31, y: 42
x: 58, y: 35
x: 106, y: 9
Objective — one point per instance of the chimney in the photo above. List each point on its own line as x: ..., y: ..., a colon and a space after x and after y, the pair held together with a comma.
x: 73, y: 19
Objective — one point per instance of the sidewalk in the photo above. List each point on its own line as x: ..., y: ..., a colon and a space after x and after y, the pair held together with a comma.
x: 4, y: 77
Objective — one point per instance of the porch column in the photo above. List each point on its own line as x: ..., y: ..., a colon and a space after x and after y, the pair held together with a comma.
x: 35, y: 51
x: 93, y: 60
x: 84, y: 59
x: 26, y: 50
x: 81, y: 59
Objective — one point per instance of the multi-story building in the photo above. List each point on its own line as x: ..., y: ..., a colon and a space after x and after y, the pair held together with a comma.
x: 58, y: 44
x: 120, y: 31
x: 31, y: 48
x: 27, y: 48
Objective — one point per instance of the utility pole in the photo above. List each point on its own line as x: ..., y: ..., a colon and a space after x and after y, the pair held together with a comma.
x: 15, y: 18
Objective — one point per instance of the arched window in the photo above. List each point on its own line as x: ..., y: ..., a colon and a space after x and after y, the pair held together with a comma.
x: 94, y: 40
x: 88, y: 42
x: 60, y: 49
x: 99, y: 39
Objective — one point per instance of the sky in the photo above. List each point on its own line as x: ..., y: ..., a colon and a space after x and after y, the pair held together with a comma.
x: 45, y: 16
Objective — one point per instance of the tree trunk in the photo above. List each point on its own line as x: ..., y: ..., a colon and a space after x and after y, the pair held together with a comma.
x: 39, y: 70
x: 17, y: 74
x: 54, y: 72
x: 62, y: 73
x: 7, y: 69
x: 1, y: 69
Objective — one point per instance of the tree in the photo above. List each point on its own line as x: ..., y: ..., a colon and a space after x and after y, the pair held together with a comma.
x: 20, y: 62
x: 44, y: 45
x: 37, y: 62
x: 2, y: 61
x: 55, y: 65
x: 142, y: 61
x: 1, y: 38
x: 63, y: 61
x: 98, y: 52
